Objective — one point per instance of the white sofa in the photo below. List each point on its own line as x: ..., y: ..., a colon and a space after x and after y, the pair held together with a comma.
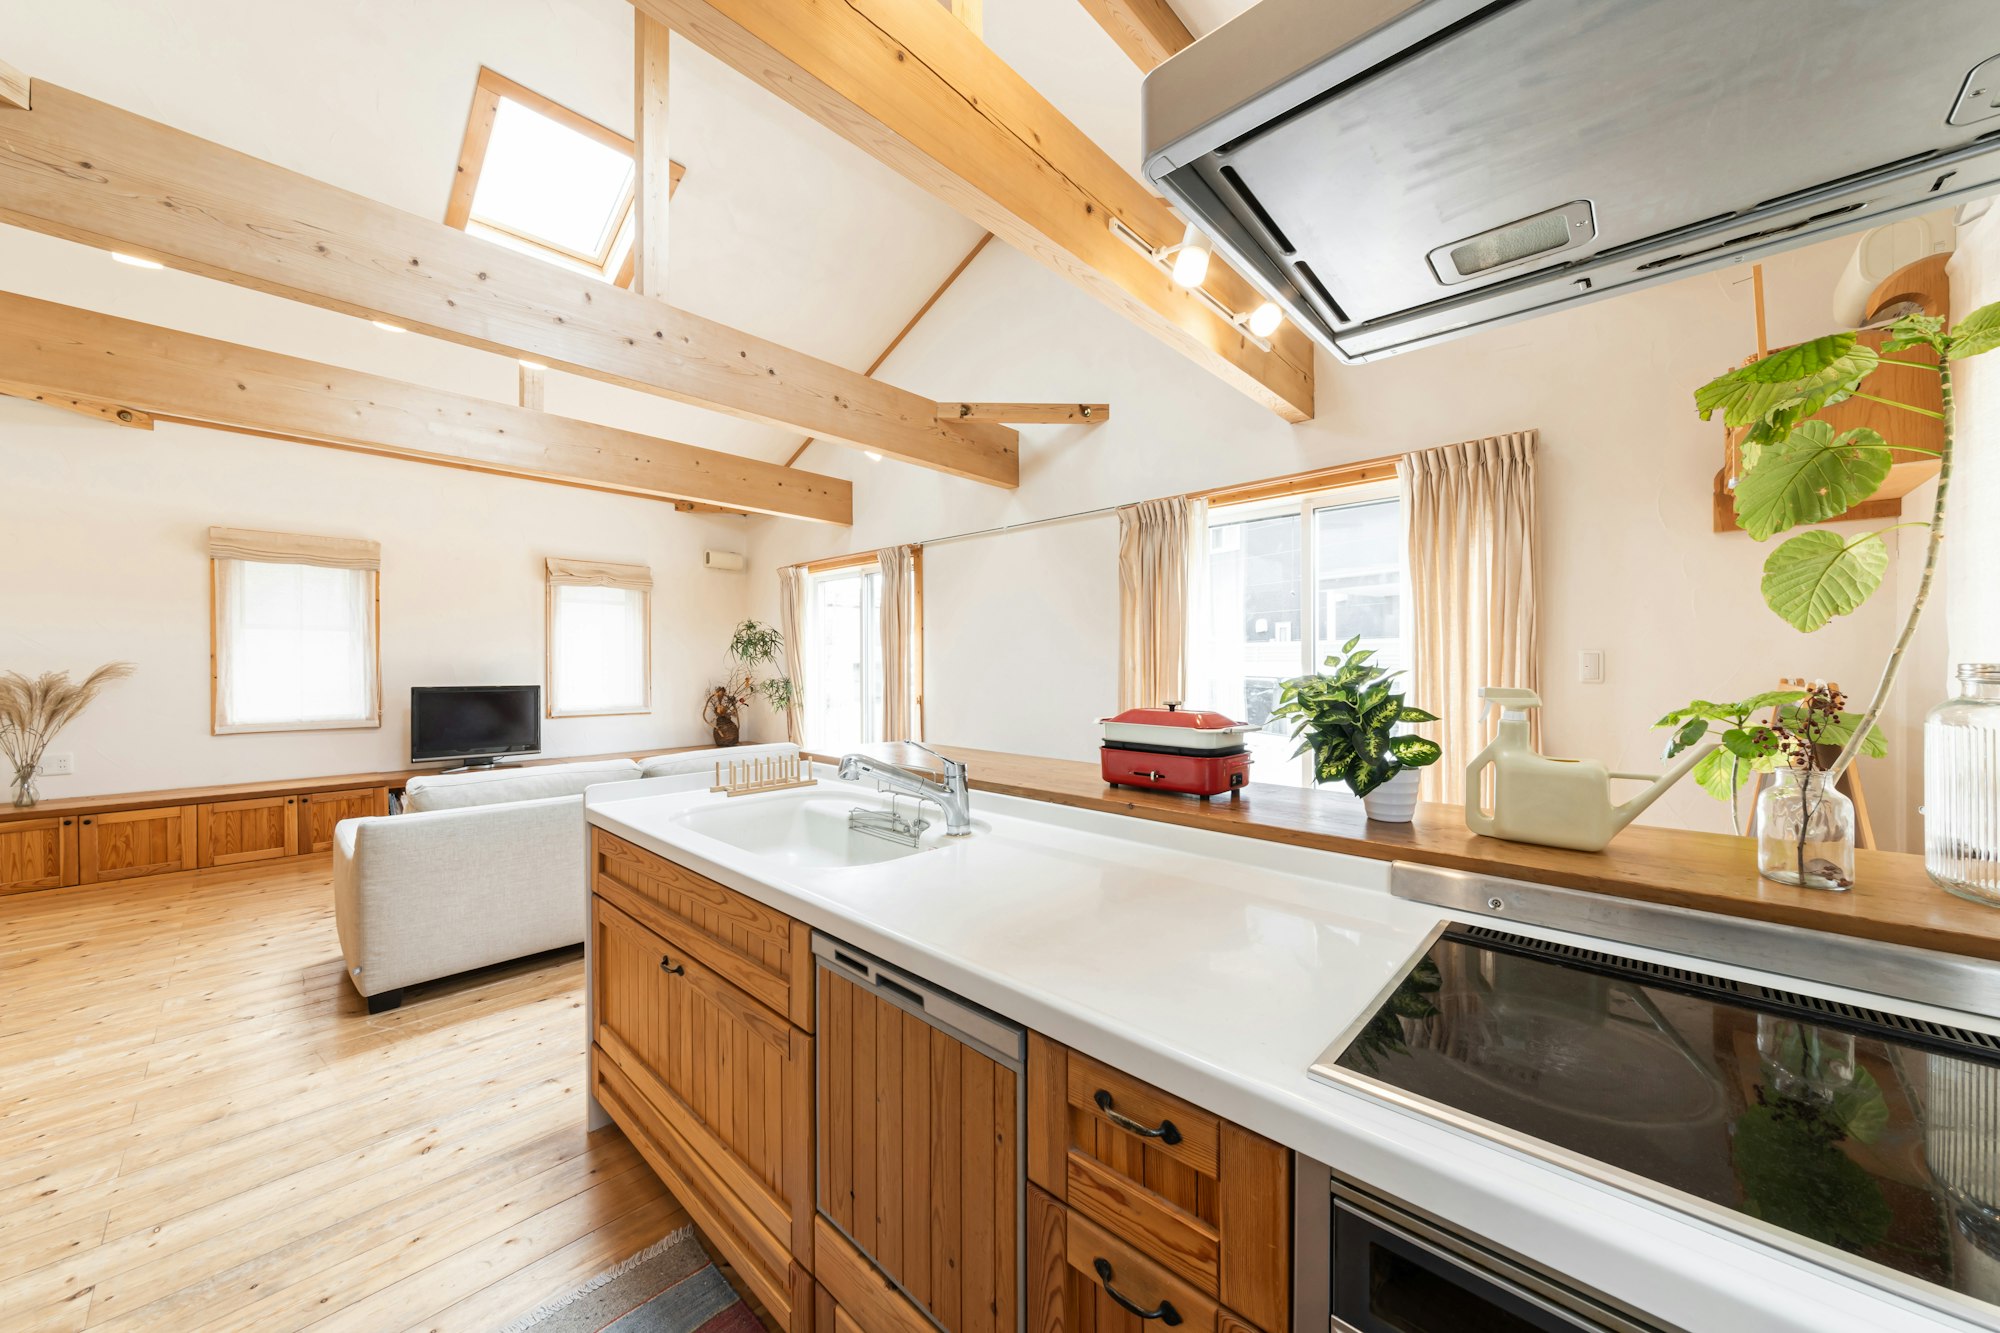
x: 479, y: 868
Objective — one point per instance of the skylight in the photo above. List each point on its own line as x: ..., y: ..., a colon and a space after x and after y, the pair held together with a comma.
x: 539, y: 178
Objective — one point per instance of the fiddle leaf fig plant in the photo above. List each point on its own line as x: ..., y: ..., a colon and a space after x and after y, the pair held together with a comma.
x: 1347, y: 717
x: 1798, y: 472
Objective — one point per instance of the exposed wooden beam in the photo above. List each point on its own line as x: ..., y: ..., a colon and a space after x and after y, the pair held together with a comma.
x: 651, y: 164
x: 14, y: 90
x: 88, y: 172
x: 532, y: 388
x: 1028, y: 414
x: 910, y: 324
x: 50, y: 348
x: 972, y: 13
x: 907, y: 82
x: 118, y: 414
x: 1147, y: 30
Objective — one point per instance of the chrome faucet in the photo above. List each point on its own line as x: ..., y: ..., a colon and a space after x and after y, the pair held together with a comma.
x: 952, y: 796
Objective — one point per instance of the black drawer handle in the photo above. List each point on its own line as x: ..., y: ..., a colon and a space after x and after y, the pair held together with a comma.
x: 670, y: 967
x: 1167, y: 1133
x: 1164, y: 1311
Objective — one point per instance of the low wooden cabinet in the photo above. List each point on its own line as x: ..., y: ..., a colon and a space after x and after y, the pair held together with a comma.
x: 38, y: 854
x: 127, y: 844
x: 320, y: 811
x: 235, y: 833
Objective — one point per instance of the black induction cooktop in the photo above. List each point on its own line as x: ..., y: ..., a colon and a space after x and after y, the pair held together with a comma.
x: 1873, y: 1133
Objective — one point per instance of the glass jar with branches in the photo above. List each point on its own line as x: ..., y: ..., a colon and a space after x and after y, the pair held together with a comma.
x: 34, y: 708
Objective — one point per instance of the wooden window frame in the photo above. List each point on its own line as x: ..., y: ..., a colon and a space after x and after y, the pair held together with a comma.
x: 549, y: 709
x: 215, y: 725
x: 486, y: 95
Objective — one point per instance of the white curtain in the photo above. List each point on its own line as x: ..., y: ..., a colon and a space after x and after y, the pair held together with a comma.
x: 1158, y: 545
x: 295, y: 638
x: 1471, y: 510
x: 901, y: 686
x: 792, y: 588
x: 600, y: 638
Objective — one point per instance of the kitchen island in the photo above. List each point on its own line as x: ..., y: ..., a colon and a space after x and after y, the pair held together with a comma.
x: 1209, y: 969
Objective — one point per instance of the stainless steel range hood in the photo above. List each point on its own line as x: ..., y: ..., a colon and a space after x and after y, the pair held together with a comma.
x: 1394, y: 172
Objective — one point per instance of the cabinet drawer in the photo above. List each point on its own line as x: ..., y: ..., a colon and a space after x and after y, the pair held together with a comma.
x: 1204, y: 1200
x: 1082, y: 1279
x: 721, y: 1088
x: 320, y: 811
x: 759, y: 949
x: 38, y: 853
x: 231, y: 833
x: 129, y: 844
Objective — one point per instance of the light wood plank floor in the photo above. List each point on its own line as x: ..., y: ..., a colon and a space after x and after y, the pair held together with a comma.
x: 202, y: 1128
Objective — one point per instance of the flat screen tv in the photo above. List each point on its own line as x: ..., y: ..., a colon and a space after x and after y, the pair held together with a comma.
x: 474, y: 721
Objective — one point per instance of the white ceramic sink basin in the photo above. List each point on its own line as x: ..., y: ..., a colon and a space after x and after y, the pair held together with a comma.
x: 808, y: 827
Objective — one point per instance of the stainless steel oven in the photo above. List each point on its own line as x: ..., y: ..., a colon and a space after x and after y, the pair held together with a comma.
x: 1389, y: 1269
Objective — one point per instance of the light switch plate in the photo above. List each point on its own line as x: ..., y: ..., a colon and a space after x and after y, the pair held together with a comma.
x: 57, y: 765
x: 1590, y: 666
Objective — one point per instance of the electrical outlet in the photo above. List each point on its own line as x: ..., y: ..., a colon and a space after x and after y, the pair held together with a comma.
x: 57, y: 765
x: 1590, y: 666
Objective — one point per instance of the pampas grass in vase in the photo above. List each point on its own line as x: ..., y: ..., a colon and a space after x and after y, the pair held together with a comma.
x: 33, y: 711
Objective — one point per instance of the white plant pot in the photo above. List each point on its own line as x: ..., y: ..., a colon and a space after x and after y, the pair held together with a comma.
x: 1395, y: 801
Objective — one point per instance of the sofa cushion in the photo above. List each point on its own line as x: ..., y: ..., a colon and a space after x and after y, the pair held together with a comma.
x: 704, y: 761
x: 457, y: 791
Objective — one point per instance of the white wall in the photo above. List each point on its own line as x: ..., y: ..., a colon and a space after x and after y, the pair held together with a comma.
x: 1973, y: 545
x: 104, y: 559
x: 1630, y: 564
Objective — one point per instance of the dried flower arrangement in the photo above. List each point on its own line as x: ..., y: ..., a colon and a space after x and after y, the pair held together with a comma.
x: 33, y: 710
x: 752, y: 646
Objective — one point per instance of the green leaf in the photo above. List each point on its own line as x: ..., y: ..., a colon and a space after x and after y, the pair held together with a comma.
x: 1721, y: 774
x: 1800, y: 380
x: 1367, y: 777
x: 1977, y: 332
x: 1691, y: 733
x: 1817, y: 575
x: 1860, y: 1108
x: 1750, y: 743
x: 1414, y: 751
x: 1840, y: 729
x: 1411, y: 713
x: 1915, y: 331
x: 1810, y: 476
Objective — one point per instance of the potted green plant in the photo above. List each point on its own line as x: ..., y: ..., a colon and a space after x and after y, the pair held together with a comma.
x: 1348, y: 716
x: 1798, y: 473
x: 753, y: 647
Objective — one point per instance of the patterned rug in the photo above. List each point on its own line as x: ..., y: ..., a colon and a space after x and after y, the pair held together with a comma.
x: 670, y: 1287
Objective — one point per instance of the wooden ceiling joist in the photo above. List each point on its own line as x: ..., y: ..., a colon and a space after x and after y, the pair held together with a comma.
x: 1028, y: 414
x: 89, y: 172
x: 910, y: 84
x: 118, y: 414
x: 14, y: 91
x: 1147, y: 30
x: 653, y: 170
x: 47, y: 348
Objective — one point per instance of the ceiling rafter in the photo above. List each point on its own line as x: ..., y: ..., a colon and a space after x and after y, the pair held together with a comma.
x: 1146, y: 30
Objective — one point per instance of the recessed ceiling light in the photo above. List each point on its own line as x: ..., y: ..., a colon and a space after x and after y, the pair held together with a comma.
x: 873, y: 457
x: 386, y: 326
x: 135, y: 261
x: 530, y: 365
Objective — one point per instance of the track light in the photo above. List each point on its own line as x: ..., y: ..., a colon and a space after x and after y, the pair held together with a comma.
x: 1264, y: 320
x: 135, y: 261
x: 386, y: 326
x: 1191, y: 258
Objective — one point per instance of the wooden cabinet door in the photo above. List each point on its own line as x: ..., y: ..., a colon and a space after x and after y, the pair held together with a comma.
x: 1082, y: 1279
x: 128, y: 844
x: 236, y: 832
x: 919, y: 1157
x: 320, y: 811
x: 38, y: 853
x: 726, y: 1087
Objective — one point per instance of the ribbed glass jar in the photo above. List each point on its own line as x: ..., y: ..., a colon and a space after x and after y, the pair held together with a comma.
x: 1805, y: 832
x: 1962, y: 786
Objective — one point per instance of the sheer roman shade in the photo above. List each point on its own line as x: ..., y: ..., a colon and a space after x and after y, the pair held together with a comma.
x: 1471, y: 513
x: 294, y: 637
x: 600, y: 638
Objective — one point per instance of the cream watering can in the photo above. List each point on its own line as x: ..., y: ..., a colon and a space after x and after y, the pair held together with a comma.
x: 1553, y: 802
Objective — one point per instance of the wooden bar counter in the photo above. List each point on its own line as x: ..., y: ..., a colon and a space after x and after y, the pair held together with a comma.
x: 1892, y: 898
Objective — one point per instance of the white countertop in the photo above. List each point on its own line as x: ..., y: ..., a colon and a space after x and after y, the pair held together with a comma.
x: 1220, y: 968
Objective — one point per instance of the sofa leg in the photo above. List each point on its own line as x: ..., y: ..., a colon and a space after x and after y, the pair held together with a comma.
x: 385, y: 1001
